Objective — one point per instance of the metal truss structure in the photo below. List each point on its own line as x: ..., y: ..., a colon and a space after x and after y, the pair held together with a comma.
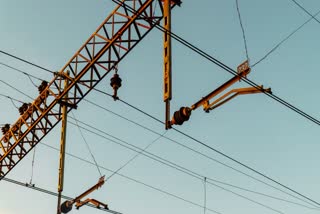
x: 119, y: 33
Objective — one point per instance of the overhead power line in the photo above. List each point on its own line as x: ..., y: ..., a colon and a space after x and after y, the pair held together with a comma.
x: 285, y: 39
x: 178, y: 197
x: 177, y: 167
x: 26, y: 61
x: 243, y: 32
x: 306, y: 11
x: 87, y: 144
x: 233, y: 72
x: 53, y: 194
x: 135, y: 180
x: 192, y: 149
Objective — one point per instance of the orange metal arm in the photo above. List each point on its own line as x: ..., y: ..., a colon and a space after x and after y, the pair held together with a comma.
x: 220, y: 89
x: 234, y: 92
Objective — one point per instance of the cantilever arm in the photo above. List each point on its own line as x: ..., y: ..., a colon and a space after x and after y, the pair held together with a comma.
x: 92, y: 201
x: 234, y: 92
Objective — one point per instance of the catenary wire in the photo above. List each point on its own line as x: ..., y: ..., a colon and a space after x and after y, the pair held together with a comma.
x: 195, y: 151
x: 306, y: 11
x: 178, y: 143
x: 32, y: 165
x: 134, y: 180
x: 175, y: 196
x: 135, y: 156
x: 87, y: 144
x: 204, y: 207
x: 204, y: 194
x: 285, y: 39
x: 228, y: 69
x: 192, y: 173
x: 26, y: 61
x: 53, y: 193
x: 16, y: 89
x: 184, y: 170
x: 213, y: 159
x: 248, y: 81
x: 243, y: 32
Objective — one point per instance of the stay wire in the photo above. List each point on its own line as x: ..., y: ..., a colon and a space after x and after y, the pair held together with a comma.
x: 213, y: 184
x: 16, y: 89
x: 155, y: 188
x: 306, y: 11
x: 285, y: 39
x: 227, y: 68
x: 53, y: 193
x: 134, y: 180
x: 243, y: 32
x: 205, y: 194
x: 184, y: 146
x: 26, y: 61
x: 248, y: 81
x: 182, y: 169
x: 189, y: 172
x: 87, y: 144
x: 32, y: 164
x: 135, y: 156
x: 20, y: 71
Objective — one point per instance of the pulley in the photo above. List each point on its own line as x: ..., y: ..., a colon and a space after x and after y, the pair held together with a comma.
x: 115, y: 83
x: 180, y: 116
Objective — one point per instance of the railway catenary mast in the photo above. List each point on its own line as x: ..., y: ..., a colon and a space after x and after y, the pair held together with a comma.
x: 118, y: 34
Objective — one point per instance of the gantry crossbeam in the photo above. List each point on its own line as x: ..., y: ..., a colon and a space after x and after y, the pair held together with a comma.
x: 119, y: 33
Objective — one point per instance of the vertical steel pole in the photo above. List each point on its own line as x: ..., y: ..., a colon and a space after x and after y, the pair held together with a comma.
x: 62, y: 147
x: 167, y: 60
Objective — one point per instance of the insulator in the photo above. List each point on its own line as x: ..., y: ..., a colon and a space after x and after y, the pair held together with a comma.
x: 178, y: 2
x: 24, y: 108
x: 115, y: 83
x: 5, y: 128
x: 180, y: 116
x: 66, y: 207
x: 42, y: 86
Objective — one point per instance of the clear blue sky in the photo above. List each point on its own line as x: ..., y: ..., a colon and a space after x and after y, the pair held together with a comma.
x: 253, y: 129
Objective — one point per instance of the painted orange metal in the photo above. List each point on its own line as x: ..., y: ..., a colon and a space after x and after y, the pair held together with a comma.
x: 90, y: 64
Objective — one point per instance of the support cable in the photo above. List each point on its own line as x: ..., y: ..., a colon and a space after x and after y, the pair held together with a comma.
x: 136, y: 181
x: 26, y: 61
x: 179, y: 168
x: 32, y: 166
x: 205, y: 195
x: 306, y: 11
x: 87, y: 144
x: 135, y: 156
x: 243, y: 32
x: 178, y: 197
x: 248, y: 81
x: 228, y: 69
x: 185, y: 147
x: 285, y: 39
x: 54, y: 194
x: 16, y: 89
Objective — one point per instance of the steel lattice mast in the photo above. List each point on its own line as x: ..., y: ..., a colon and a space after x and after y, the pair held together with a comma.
x: 119, y: 33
